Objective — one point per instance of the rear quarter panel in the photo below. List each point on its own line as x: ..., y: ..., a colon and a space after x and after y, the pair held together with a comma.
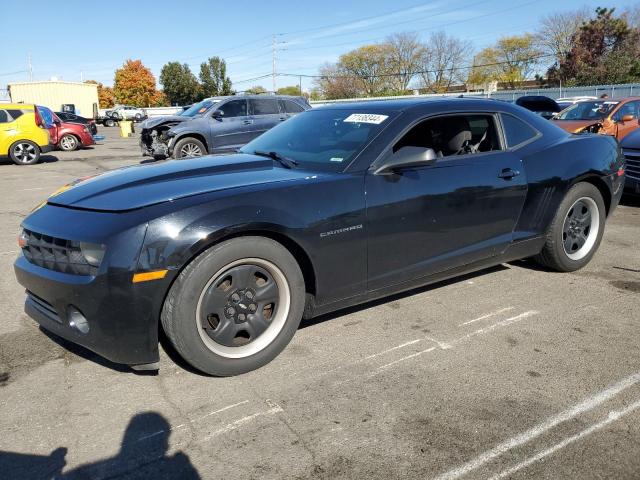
x: 552, y: 168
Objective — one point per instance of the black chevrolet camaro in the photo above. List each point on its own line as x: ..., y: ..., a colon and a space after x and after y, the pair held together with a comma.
x: 337, y: 206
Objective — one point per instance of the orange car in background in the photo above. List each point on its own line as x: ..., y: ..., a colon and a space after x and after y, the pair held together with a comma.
x: 617, y: 117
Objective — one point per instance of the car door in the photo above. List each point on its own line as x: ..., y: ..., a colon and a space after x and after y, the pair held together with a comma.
x: 264, y: 114
x: 621, y: 127
x: 233, y: 128
x: 461, y: 209
x: 5, y: 131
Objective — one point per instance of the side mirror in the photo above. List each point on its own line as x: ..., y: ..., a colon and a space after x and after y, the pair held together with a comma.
x: 407, y: 157
x: 627, y: 118
x: 217, y: 114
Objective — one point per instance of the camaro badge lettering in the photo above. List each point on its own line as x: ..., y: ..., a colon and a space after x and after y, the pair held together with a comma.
x: 341, y: 230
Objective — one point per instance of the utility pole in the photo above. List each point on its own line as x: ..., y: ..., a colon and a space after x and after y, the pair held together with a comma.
x: 30, y: 68
x: 273, y: 61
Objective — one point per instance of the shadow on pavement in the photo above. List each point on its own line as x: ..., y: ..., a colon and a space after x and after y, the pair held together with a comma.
x: 143, y: 454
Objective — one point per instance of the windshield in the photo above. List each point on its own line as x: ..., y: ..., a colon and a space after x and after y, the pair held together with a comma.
x: 198, y: 108
x: 321, y: 139
x: 596, y: 110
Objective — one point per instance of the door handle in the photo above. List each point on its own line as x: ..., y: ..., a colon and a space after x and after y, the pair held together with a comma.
x: 247, y: 122
x: 282, y: 119
x: 508, y: 173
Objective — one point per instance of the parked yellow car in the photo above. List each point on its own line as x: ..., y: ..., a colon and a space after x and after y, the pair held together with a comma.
x: 24, y: 135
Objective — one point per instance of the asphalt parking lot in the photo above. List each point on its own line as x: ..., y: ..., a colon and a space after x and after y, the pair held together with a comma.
x: 513, y: 372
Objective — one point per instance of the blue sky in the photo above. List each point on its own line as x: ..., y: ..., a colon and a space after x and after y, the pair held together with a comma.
x: 74, y: 39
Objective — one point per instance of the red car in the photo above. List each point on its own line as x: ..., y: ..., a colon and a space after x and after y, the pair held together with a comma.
x: 64, y: 135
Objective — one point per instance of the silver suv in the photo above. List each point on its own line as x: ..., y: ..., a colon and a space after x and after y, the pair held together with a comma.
x: 216, y: 125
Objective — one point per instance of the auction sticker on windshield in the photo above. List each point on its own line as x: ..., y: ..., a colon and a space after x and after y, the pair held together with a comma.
x: 366, y: 118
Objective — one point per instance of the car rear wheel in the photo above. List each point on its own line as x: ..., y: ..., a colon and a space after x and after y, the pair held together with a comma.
x: 189, y: 147
x: 236, y: 306
x: 68, y: 143
x: 109, y: 122
x: 24, y: 152
x: 576, y: 231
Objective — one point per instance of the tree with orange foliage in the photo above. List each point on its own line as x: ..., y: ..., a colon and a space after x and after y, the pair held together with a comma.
x: 105, y: 95
x: 135, y: 85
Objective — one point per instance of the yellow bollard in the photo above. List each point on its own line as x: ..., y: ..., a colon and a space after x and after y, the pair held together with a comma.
x: 125, y: 128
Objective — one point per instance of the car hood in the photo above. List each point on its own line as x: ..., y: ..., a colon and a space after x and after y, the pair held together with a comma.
x: 631, y: 140
x: 575, y: 125
x: 155, y: 121
x: 139, y: 186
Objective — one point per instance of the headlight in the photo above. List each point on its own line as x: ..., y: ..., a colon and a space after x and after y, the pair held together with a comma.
x: 92, y: 253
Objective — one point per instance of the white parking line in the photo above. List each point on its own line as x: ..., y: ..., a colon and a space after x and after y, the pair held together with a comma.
x: 406, y: 344
x: 501, y: 323
x: 182, y: 425
x: 275, y: 408
x: 34, y: 188
x: 488, y: 315
x: 382, y: 367
x: 525, y: 437
x: 612, y: 417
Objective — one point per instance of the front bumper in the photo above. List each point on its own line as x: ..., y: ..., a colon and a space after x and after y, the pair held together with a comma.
x: 122, y: 319
x: 632, y: 185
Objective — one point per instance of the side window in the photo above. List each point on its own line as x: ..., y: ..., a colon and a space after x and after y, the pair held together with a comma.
x: 234, y: 108
x: 14, y: 114
x: 516, y: 131
x: 453, y: 135
x: 292, y: 107
x: 4, y: 118
x: 630, y: 108
x: 263, y: 106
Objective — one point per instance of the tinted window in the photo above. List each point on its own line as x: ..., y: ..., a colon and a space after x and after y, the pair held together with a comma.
x: 454, y: 135
x: 516, y: 131
x: 4, y: 118
x: 234, y: 108
x: 320, y: 139
x: 199, y: 108
x: 14, y: 114
x: 263, y: 106
x: 291, y: 107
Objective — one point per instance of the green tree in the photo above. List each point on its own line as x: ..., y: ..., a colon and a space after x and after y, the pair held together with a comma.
x: 179, y: 84
x: 606, y: 50
x: 512, y: 60
x: 370, y: 67
x: 290, y: 90
x: 214, y: 79
x: 255, y: 90
x: 135, y: 85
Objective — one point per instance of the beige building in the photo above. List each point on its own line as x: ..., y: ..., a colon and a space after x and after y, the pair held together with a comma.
x: 54, y: 94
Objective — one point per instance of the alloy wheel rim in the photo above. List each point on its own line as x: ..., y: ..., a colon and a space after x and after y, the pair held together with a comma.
x: 243, y: 308
x: 580, y: 228
x: 190, y: 150
x: 68, y: 143
x: 24, y: 152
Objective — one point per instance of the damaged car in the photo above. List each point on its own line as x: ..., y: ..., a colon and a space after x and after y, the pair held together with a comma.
x: 216, y: 125
x: 608, y: 117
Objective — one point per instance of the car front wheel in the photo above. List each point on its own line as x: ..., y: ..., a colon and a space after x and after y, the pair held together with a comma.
x: 236, y: 306
x: 24, y: 152
x: 68, y: 143
x: 189, y: 147
x: 576, y: 230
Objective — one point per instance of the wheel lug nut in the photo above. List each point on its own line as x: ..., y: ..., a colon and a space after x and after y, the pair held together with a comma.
x: 252, y: 307
x: 242, y: 317
x: 249, y: 295
x: 231, y: 311
x: 235, y: 297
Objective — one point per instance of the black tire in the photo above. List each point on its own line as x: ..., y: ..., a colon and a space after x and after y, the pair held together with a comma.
x: 188, y: 144
x: 183, y: 317
x: 68, y: 143
x: 24, y: 152
x: 109, y: 122
x: 138, y: 117
x: 555, y: 254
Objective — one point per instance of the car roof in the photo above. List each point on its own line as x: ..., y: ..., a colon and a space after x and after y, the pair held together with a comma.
x: 404, y: 104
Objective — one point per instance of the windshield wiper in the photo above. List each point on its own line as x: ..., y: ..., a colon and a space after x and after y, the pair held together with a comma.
x: 284, y: 161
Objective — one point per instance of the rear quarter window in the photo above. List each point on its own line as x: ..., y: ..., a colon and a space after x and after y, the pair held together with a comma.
x: 516, y: 131
x: 4, y: 117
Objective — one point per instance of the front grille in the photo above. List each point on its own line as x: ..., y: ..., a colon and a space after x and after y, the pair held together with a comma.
x: 632, y: 158
x: 55, y: 254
